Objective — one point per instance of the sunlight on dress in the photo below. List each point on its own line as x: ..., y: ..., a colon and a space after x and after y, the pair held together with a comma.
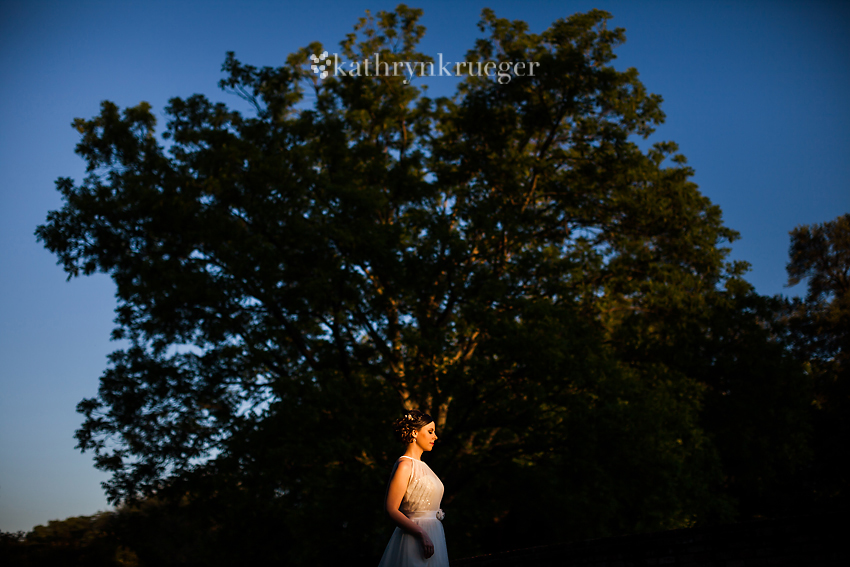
x: 421, y: 503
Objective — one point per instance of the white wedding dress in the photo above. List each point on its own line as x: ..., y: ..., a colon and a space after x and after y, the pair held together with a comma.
x: 421, y: 503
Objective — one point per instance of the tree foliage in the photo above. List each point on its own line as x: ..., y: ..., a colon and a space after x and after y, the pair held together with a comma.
x: 819, y: 331
x: 89, y: 541
x: 507, y: 259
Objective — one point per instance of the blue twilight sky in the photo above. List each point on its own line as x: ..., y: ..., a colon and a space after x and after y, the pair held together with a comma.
x: 756, y: 95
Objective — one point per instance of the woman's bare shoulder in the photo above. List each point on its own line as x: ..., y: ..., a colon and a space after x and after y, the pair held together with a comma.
x: 403, y: 469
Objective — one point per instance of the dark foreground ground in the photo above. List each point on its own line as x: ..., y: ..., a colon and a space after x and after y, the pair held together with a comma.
x: 802, y: 540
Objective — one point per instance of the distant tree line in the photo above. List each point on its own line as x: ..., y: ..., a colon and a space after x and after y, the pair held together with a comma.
x: 507, y: 259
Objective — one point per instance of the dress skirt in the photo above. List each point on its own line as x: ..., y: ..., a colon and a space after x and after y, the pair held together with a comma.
x: 405, y: 550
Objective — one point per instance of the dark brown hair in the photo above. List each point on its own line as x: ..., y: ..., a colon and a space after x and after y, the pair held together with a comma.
x: 412, y: 420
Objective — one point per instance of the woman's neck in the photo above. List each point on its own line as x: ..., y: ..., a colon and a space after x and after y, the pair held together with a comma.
x: 414, y: 452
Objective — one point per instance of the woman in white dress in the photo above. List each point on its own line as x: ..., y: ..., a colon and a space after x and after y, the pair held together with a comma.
x: 413, y: 499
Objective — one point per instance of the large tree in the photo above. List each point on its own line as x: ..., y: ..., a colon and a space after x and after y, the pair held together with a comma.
x: 507, y: 259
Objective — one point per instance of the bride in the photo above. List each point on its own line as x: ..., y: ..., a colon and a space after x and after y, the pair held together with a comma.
x: 413, y: 499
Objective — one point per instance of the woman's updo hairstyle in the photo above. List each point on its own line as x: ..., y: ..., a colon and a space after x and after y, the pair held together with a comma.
x: 412, y: 420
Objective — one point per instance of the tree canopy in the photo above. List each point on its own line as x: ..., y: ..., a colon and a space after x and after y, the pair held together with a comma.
x: 818, y: 326
x: 508, y: 259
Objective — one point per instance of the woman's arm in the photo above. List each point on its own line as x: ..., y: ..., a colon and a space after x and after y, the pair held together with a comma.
x: 395, y: 492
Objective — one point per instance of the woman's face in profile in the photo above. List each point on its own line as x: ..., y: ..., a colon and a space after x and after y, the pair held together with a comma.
x: 426, y: 436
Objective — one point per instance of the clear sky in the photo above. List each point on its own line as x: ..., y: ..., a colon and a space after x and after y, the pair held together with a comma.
x: 756, y: 95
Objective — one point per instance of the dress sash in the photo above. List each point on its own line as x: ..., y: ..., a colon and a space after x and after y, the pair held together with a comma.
x: 421, y: 515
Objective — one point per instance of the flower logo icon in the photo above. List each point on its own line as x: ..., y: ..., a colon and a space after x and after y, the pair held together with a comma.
x: 320, y: 64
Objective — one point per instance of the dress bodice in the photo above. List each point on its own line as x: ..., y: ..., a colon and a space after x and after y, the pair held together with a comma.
x: 424, y: 490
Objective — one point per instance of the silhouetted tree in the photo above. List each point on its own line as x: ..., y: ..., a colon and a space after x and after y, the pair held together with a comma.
x: 819, y: 327
x: 79, y: 541
x: 508, y: 259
